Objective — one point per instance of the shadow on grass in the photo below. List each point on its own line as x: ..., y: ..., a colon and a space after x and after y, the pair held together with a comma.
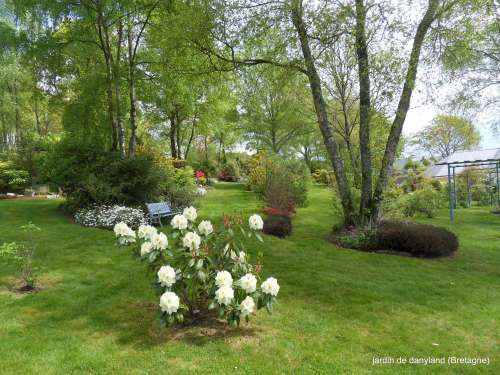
x: 129, y: 322
x: 141, y: 326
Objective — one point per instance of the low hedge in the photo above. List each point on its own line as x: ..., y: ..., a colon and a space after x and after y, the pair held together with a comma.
x: 417, y: 239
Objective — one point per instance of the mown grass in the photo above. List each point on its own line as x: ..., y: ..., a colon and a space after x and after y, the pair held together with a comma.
x: 337, y: 308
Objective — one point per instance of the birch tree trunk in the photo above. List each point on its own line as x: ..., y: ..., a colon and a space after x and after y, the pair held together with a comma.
x: 403, y: 106
x: 321, y: 113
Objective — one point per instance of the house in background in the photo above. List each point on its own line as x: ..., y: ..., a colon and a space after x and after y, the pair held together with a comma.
x: 440, y: 170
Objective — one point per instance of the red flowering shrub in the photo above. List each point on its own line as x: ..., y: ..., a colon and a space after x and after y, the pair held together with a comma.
x: 276, y: 211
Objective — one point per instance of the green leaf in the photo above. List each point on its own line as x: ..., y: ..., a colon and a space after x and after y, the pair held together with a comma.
x: 179, y: 317
x: 199, y: 264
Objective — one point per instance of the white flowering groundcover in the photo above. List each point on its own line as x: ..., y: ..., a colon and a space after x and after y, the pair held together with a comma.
x: 202, y: 272
x: 108, y: 216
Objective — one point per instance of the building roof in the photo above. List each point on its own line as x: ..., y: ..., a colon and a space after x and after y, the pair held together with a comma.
x: 464, y: 157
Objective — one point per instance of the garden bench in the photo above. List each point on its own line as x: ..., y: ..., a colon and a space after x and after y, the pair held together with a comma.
x: 160, y: 210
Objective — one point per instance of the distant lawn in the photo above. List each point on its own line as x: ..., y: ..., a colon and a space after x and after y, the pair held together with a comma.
x: 337, y: 308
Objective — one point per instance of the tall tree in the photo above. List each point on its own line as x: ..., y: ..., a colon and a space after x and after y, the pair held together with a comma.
x: 446, y: 135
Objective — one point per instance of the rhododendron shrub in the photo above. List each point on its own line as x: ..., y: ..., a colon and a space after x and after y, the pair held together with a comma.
x: 202, y: 271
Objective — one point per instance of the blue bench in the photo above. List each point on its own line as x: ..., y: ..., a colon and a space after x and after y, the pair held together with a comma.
x: 158, y: 211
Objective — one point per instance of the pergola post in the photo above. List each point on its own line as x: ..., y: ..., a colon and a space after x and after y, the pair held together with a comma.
x: 455, y: 200
x: 492, y: 165
x: 468, y: 191
x: 490, y: 184
x: 498, y: 185
x: 450, y: 201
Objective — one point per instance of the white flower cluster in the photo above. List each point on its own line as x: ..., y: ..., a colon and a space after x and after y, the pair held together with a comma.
x: 146, y: 232
x: 270, y: 286
x: 166, y: 276
x: 107, y: 216
x: 205, y: 227
x: 236, y: 286
x: 191, y: 240
x: 224, y: 295
x: 255, y: 222
x: 124, y: 234
x: 169, y: 302
x: 179, y: 222
x: 190, y: 213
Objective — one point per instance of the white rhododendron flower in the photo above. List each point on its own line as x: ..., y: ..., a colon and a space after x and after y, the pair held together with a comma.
x: 270, y: 286
x: 248, y: 283
x: 247, y: 306
x: 223, y: 278
x: 124, y: 233
x: 191, y: 240
x: 169, y: 302
x: 159, y: 241
x: 242, y: 257
x: 205, y: 227
x: 179, y: 222
x: 122, y: 229
x: 224, y: 295
x: 146, y: 248
x: 255, y: 222
x: 190, y: 213
x: 166, y: 276
x: 146, y: 232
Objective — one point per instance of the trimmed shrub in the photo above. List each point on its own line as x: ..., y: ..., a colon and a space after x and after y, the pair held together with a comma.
x: 278, y: 225
x: 417, y: 239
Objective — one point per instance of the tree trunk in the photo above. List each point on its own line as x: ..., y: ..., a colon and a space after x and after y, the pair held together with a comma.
x: 117, y: 86
x: 190, y: 140
x: 364, y: 114
x: 178, y: 137
x: 173, y: 147
x: 109, y: 83
x: 19, y: 131
x: 404, y: 104
x: 321, y: 113
x: 37, y: 115
x: 133, y: 109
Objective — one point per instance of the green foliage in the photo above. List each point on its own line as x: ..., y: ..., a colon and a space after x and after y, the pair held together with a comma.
x: 23, y: 254
x: 88, y: 175
x: 178, y: 186
x: 425, y: 200
x: 195, y: 269
x: 447, y: 134
x: 324, y: 177
x: 12, y: 178
x: 282, y: 183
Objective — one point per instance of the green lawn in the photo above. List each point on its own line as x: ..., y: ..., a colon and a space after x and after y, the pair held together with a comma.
x: 337, y: 308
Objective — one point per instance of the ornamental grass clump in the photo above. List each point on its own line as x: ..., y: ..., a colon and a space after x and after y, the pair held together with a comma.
x: 202, y: 271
